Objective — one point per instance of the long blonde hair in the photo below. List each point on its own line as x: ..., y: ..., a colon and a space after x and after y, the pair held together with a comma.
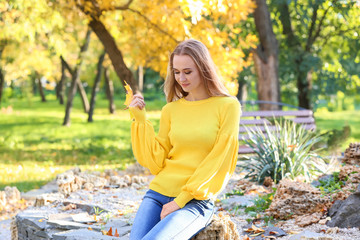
x: 205, y: 65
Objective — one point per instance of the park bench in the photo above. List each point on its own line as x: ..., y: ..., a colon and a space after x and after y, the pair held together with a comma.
x: 257, y: 120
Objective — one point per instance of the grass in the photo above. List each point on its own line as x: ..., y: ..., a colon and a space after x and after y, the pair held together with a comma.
x: 34, y: 146
x: 326, y: 121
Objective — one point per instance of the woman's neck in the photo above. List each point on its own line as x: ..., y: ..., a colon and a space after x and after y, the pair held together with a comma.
x: 197, y: 97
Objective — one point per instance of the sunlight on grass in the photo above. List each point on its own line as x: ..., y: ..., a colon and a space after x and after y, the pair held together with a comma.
x: 34, y: 146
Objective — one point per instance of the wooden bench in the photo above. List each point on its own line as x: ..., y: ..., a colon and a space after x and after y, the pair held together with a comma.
x: 257, y: 119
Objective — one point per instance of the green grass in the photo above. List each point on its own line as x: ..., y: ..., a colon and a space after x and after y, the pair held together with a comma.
x: 34, y: 146
x: 326, y: 121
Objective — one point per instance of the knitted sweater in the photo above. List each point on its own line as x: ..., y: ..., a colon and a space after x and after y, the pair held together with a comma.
x: 195, y: 151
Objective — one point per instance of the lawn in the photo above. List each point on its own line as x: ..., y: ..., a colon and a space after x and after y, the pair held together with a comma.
x: 34, y: 146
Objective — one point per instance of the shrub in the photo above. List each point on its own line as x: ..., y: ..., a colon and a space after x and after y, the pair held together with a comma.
x: 286, y: 152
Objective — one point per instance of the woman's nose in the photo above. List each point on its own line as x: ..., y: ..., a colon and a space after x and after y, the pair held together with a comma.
x: 182, y: 77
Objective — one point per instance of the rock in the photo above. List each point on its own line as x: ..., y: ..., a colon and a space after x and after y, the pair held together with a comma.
x: 307, y: 235
x: 346, y: 213
x: 49, y: 188
x: 306, y: 220
x: 352, y: 154
x: 268, y: 182
x: 12, y: 195
x: 235, y: 200
x: 296, y: 199
x: 221, y: 228
x: 81, y: 234
x: 271, y: 232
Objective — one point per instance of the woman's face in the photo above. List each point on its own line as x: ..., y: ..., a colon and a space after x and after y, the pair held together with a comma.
x: 187, y: 74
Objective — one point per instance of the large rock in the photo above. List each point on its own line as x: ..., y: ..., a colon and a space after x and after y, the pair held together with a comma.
x: 293, y: 199
x: 346, y: 213
x: 221, y: 228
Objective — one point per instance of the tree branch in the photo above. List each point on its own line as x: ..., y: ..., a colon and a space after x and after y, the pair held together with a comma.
x: 125, y: 6
x: 310, y: 41
x: 153, y: 24
x: 317, y: 34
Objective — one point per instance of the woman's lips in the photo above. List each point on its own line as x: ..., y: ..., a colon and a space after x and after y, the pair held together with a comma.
x: 185, y: 84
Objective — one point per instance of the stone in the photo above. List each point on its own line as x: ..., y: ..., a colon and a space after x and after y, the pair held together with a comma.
x: 51, y: 187
x: 308, y: 219
x: 345, y: 213
x: 81, y: 234
x: 89, y: 208
x: 308, y: 235
x: 116, y: 223
x: 296, y: 199
x: 221, y: 228
x: 352, y: 154
x: 12, y: 195
x: 268, y: 231
x: 235, y: 200
x: 82, y: 218
x: 69, y: 225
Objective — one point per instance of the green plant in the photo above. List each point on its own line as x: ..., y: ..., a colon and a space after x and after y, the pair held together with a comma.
x: 286, y: 152
x: 261, y: 203
x: 331, y: 185
x: 235, y: 192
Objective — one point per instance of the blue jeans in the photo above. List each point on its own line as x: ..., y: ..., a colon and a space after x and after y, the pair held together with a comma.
x: 181, y: 224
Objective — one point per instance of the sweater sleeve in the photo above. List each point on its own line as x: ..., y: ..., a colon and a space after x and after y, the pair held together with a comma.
x: 215, y: 170
x: 150, y: 149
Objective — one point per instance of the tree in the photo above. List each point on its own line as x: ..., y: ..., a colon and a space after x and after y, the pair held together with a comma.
x: 266, y: 58
x: 133, y: 25
x: 306, y: 28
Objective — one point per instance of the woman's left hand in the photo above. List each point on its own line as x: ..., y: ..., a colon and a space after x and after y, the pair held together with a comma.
x: 168, y: 208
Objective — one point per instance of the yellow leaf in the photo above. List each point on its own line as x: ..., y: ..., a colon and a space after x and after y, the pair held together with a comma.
x: 129, y: 95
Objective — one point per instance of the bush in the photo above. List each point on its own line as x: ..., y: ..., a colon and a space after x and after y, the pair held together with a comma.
x: 286, y: 152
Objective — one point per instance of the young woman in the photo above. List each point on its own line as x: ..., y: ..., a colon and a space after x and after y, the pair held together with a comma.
x: 195, y: 151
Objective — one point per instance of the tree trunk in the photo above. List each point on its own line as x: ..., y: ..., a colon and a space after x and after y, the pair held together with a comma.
x: 60, y: 86
x: 141, y: 78
x: 2, y: 83
x: 266, y: 58
x: 304, y: 80
x: 41, y: 90
x: 242, y: 93
x: 114, y: 53
x: 83, y: 96
x: 109, y: 90
x: 75, y: 78
x: 96, y: 86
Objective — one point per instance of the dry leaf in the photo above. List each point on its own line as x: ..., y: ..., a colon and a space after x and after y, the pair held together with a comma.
x: 89, y: 228
x: 41, y: 220
x: 104, y: 232
x: 273, y: 232
x: 116, y: 234
x: 109, y: 233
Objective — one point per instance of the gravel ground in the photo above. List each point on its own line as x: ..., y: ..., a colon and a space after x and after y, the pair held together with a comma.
x: 124, y: 203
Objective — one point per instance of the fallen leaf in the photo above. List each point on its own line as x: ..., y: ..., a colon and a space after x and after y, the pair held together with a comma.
x: 116, y: 234
x: 89, y: 228
x: 41, y: 220
x: 269, y: 237
x: 109, y: 233
x: 273, y: 232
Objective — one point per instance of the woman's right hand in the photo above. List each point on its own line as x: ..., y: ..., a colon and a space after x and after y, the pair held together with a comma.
x: 137, y: 101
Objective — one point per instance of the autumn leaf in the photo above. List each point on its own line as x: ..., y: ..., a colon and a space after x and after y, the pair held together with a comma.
x: 273, y: 232
x: 109, y: 233
x: 129, y: 95
x: 116, y: 234
x: 41, y: 220
x: 89, y: 228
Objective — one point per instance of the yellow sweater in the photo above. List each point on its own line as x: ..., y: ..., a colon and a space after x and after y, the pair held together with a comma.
x: 195, y: 151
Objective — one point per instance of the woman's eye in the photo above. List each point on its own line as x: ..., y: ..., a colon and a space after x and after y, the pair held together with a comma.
x: 187, y: 72
x: 176, y: 73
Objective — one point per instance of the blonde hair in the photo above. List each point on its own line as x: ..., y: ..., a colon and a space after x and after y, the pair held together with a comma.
x: 205, y: 65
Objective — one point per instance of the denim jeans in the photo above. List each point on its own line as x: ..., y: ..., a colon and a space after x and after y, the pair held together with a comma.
x: 181, y: 224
